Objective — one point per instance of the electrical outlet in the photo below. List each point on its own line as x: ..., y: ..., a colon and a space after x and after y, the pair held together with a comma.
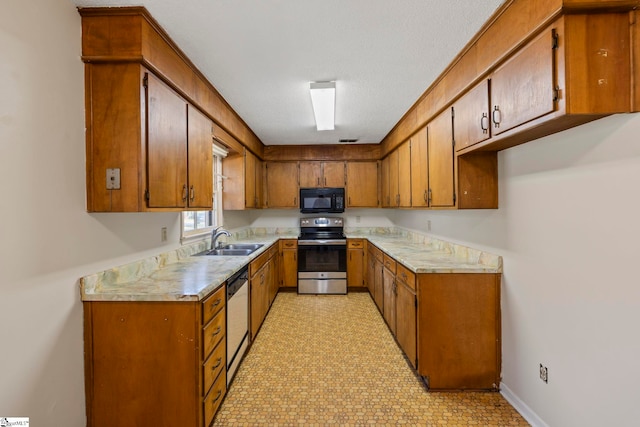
x: 544, y: 373
x: 163, y: 234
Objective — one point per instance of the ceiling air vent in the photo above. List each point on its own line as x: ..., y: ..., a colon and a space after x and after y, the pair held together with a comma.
x: 347, y: 141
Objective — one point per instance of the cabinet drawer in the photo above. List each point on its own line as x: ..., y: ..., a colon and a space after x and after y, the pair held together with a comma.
x: 214, y: 332
x: 213, y: 304
x: 214, y: 398
x: 355, y: 243
x: 405, y: 275
x: 272, y: 250
x: 375, y: 252
x: 289, y: 243
x: 389, y: 263
x: 214, y: 365
x: 258, y: 263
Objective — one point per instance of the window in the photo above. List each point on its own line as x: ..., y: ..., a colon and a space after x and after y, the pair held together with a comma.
x: 199, y: 223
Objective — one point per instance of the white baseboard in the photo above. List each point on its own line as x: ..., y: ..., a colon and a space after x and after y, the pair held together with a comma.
x: 524, y: 410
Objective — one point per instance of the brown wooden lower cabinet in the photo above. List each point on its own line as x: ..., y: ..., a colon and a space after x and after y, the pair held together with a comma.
x: 155, y: 363
x: 289, y: 249
x: 459, y: 344
x: 447, y: 324
x: 355, y: 263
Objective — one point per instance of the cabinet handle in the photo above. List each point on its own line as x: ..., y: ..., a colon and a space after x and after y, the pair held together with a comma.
x: 397, y: 200
x: 295, y: 201
x: 184, y: 193
x: 484, y: 123
x: 217, y: 331
x: 318, y: 182
x: 218, y: 363
x: 429, y: 199
x: 217, y: 396
x: 497, y: 116
x: 425, y: 197
x: 215, y: 304
x: 325, y: 181
x: 192, y: 194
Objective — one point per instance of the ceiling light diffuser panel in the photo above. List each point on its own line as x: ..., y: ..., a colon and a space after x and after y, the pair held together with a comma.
x: 323, y: 98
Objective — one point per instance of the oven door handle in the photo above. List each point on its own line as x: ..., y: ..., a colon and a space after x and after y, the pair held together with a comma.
x: 322, y: 242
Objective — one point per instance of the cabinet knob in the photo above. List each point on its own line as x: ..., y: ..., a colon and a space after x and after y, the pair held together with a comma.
x: 217, y: 331
x: 218, y: 363
x: 484, y: 123
x: 497, y: 116
x: 215, y: 304
x: 184, y: 193
x: 192, y: 194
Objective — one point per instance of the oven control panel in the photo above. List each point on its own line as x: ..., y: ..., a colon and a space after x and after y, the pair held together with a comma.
x: 321, y: 222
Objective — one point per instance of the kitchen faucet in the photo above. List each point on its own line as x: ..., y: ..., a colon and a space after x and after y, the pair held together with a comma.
x: 219, y: 231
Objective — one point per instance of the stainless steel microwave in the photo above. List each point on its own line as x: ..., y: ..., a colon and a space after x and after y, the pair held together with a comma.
x: 322, y: 200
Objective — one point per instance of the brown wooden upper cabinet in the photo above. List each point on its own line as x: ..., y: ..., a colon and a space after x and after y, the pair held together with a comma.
x: 282, y: 184
x: 362, y: 184
x: 396, y: 177
x: 472, y: 123
x: 419, y: 169
x: 243, y: 186
x: 441, y: 167
x: 166, y: 167
x: 322, y: 174
x: 574, y: 71
x: 179, y: 150
x: 522, y: 89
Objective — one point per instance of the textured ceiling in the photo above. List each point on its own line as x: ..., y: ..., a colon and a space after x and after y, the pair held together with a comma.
x: 262, y: 54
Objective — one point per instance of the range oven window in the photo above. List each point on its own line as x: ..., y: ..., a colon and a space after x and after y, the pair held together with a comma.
x: 322, y: 258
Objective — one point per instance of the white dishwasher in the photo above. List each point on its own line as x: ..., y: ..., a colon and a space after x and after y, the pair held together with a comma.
x: 237, y: 320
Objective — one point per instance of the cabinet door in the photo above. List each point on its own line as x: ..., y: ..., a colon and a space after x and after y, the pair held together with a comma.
x: 200, y: 164
x: 522, y: 88
x: 419, y: 169
x: 385, y: 178
x: 260, y: 180
x: 362, y: 184
x: 250, y: 164
x: 394, y: 197
x: 355, y: 267
x: 333, y: 174
x: 389, y: 311
x: 259, y: 293
x: 440, y: 143
x: 471, y: 123
x: 282, y: 185
x: 404, y: 175
x: 290, y: 268
x: 311, y: 175
x: 166, y: 146
x: 371, y: 268
x: 406, y: 320
x: 378, y: 285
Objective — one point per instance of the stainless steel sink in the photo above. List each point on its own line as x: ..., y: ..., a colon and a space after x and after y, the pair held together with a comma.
x: 234, y: 249
x: 252, y: 246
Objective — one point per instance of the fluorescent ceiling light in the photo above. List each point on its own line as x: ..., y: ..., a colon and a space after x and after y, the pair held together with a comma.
x: 323, y: 98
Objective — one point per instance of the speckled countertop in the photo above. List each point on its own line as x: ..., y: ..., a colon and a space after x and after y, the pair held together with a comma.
x: 422, y: 254
x: 179, y: 276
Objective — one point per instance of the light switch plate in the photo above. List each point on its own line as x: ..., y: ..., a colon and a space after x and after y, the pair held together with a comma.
x: 113, y: 179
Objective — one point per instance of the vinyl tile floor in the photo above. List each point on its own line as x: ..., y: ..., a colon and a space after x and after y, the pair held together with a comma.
x: 331, y: 360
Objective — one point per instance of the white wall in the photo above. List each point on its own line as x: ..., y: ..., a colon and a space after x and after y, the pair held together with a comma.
x: 47, y: 240
x: 568, y: 230
x: 352, y: 218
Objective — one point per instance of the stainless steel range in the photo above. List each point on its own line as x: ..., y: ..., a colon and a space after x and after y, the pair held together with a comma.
x: 322, y: 256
